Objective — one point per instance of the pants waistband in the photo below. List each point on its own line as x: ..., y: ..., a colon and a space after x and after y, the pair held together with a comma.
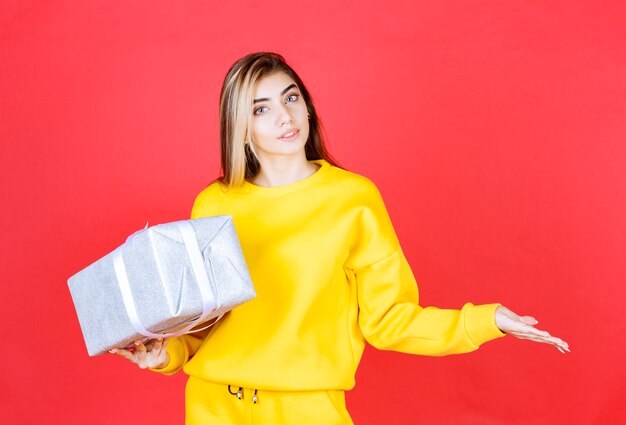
x: 239, y: 393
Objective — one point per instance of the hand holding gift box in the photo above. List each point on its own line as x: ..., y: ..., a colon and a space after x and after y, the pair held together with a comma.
x: 164, y: 281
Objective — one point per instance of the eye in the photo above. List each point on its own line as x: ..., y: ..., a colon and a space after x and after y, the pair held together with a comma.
x: 260, y: 110
x: 293, y: 98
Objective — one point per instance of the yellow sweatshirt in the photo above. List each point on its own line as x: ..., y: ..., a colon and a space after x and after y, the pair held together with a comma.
x: 329, y: 275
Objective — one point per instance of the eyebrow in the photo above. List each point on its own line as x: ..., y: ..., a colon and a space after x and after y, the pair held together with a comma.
x: 263, y: 99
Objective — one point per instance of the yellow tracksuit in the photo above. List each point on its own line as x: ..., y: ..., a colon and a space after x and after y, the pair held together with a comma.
x: 329, y: 275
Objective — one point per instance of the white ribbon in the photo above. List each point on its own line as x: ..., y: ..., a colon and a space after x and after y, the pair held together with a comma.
x: 209, y: 302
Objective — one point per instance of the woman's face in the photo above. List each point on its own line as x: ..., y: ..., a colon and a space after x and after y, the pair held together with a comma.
x: 280, y: 124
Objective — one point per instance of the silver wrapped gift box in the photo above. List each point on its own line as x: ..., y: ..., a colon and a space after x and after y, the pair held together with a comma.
x: 164, y: 281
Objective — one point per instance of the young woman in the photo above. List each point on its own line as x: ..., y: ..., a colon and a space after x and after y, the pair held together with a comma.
x: 326, y: 264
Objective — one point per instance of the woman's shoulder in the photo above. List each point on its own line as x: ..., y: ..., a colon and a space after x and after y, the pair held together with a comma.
x: 353, y: 182
x: 218, y: 193
x: 214, y: 189
x: 209, y: 200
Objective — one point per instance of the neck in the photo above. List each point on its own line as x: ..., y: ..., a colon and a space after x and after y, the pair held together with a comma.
x: 279, y: 171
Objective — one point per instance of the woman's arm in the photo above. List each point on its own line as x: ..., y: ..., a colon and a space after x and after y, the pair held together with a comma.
x: 390, y: 315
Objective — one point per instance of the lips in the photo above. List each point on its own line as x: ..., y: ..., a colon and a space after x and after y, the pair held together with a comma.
x: 290, y: 134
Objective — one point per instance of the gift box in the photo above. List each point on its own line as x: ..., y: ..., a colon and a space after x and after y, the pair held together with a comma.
x: 164, y: 281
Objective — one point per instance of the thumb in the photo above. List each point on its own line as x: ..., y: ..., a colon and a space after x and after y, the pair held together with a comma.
x: 529, y: 320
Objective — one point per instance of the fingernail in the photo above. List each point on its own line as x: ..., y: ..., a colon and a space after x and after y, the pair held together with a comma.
x: 112, y: 351
x: 137, y: 342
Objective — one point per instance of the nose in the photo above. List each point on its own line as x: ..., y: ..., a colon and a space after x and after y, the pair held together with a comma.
x: 284, y: 116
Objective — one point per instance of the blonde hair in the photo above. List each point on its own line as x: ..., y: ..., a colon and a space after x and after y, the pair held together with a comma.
x: 237, y: 156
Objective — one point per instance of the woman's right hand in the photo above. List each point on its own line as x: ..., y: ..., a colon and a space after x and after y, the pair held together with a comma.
x: 152, y: 355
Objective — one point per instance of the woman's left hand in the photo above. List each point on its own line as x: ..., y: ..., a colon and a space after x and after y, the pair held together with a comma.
x: 523, y: 327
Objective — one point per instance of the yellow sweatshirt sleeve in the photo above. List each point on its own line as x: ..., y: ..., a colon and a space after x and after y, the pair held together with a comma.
x: 390, y: 316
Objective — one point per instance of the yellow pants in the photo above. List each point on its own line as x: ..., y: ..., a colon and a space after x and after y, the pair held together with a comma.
x: 211, y: 403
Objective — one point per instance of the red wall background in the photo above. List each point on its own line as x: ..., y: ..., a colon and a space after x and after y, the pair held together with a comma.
x: 495, y: 131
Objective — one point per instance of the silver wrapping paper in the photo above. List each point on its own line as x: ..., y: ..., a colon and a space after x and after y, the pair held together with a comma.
x: 162, y: 283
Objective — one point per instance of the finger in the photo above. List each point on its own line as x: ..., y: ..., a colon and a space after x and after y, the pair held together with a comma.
x: 548, y: 339
x: 531, y: 337
x: 563, y: 348
x: 531, y: 330
x: 142, y: 354
x: 156, y: 345
x: 157, y: 348
x: 164, y: 343
x: 562, y: 345
x: 141, y: 349
x: 521, y: 335
x: 163, y: 346
x: 150, y: 344
x: 557, y: 342
x: 123, y: 353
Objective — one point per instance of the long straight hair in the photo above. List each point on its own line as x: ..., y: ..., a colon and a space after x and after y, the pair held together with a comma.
x: 238, y: 161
